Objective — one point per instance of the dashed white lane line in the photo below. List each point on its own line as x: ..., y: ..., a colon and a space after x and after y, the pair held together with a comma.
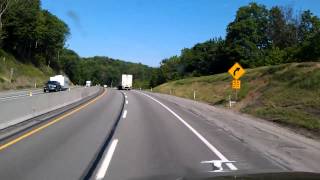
x: 3, y: 99
x: 124, y: 115
x: 106, y: 161
x: 205, y: 141
x: 126, y: 96
x: 127, y: 101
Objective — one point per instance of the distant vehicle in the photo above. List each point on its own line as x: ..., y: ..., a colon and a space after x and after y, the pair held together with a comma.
x: 88, y: 83
x: 105, y: 86
x: 126, y: 82
x: 52, y: 86
x: 63, y: 81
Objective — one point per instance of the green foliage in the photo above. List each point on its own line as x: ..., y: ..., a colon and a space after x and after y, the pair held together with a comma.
x: 157, y: 78
x: 247, y: 34
x: 36, y: 36
x: 256, y: 37
x: 286, y: 93
x: 24, y: 74
x: 33, y: 35
x: 310, y: 50
x: 103, y: 70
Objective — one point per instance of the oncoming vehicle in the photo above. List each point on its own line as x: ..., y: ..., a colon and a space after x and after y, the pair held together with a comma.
x: 52, y: 86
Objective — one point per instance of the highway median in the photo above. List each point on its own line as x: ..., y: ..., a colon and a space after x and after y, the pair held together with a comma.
x: 19, y: 110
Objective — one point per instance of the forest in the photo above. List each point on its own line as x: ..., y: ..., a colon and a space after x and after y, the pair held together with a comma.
x: 258, y: 36
x: 35, y: 36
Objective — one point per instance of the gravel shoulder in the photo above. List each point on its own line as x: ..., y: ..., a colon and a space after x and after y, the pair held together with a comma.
x: 285, y: 146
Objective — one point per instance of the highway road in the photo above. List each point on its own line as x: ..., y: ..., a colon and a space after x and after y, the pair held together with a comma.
x: 17, y: 94
x: 10, y: 95
x: 127, y: 135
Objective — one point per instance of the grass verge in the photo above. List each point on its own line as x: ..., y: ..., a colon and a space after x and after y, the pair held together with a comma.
x: 288, y: 94
x: 17, y: 75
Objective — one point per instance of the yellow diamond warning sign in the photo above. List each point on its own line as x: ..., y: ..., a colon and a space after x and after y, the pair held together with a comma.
x: 236, y: 71
x: 236, y: 84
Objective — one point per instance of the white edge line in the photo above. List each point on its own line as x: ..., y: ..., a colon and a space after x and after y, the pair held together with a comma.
x: 106, y: 161
x: 206, y: 142
x: 124, y: 114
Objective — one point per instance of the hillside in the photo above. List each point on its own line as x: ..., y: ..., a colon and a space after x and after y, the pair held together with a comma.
x: 100, y: 70
x: 288, y: 93
x: 24, y: 75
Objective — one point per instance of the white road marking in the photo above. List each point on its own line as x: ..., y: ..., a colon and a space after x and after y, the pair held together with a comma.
x: 124, y: 114
x: 17, y: 96
x: 217, y: 164
x: 106, y: 161
x: 127, y: 101
x: 205, y: 141
x: 126, y: 96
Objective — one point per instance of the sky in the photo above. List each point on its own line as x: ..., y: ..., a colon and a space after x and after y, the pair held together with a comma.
x: 148, y: 31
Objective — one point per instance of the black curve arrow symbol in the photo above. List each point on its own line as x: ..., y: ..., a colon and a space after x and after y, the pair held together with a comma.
x: 234, y: 72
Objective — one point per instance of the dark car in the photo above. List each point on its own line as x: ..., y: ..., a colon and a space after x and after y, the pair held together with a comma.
x: 52, y: 86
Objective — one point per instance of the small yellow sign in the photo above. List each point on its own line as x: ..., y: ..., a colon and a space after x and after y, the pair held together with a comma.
x: 236, y: 84
x: 236, y: 71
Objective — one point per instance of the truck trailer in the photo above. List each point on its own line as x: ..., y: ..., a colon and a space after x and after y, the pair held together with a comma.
x: 88, y: 83
x: 126, y: 82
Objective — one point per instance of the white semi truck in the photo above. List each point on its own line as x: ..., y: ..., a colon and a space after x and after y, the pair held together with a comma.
x: 126, y: 82
x: 88, y: 83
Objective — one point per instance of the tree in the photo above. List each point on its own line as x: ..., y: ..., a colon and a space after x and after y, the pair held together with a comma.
x: 277, y: 28
x: 69, y: 62
x: 310, y: 50
x: 247, y: 34
x: 32, y: 34
x: 308, y: 31
x: 309, y: 26
x: 52, y: 39
x: 171, y: 68
x: 4, y: 4
x: 19, y: 26
x: 157, y: 78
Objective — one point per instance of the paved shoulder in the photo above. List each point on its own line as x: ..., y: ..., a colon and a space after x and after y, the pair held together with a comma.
x: 282, y: 146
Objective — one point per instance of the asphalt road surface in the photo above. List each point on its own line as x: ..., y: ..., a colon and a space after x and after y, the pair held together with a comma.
x: 17, y: 94
x: 153, y: 138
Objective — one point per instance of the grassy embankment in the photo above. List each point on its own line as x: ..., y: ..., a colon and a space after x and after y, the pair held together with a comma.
x: 24, y: 75
x: 288, y: 93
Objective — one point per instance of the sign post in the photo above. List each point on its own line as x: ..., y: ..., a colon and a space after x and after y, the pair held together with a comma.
x: 236, y: 71
x: 236, y: 84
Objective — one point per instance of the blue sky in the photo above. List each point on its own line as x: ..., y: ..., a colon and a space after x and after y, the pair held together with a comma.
x: 148, y: 31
